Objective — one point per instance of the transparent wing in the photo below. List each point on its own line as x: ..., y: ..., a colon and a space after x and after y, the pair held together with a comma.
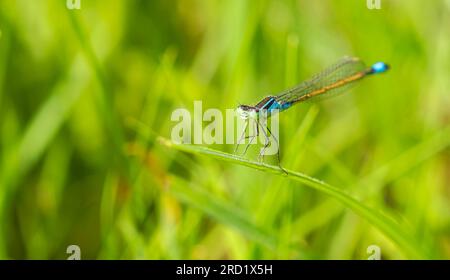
x: 335, y: 79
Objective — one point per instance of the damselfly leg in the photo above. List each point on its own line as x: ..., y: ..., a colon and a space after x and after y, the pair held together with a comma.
x: 243, y: 137
x: 267, y: 136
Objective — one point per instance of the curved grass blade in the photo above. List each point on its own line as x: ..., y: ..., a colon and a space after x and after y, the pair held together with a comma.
x: 377, y: 219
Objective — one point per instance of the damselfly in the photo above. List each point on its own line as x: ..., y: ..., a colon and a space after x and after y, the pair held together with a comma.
x: 333, y: 80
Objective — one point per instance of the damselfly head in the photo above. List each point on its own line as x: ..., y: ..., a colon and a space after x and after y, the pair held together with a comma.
x: 246, y: 112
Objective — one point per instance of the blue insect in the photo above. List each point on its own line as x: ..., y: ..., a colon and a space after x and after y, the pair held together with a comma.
x: 333, y: 80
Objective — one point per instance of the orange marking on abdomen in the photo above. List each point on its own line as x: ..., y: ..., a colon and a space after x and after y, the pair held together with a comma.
x: 337, y: 84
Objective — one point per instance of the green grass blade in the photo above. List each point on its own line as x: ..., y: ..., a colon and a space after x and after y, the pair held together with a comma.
x: 380, y: 177
x: 222, y: 212
x: 383, y: 223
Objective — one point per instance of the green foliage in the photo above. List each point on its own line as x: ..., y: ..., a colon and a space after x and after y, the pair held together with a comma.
x: 86, y: 98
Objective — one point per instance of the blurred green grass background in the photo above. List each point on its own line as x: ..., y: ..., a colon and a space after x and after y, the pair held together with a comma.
x: 75, y: 170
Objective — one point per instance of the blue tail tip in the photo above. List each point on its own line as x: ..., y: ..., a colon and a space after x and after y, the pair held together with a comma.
x: 379, y: 67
